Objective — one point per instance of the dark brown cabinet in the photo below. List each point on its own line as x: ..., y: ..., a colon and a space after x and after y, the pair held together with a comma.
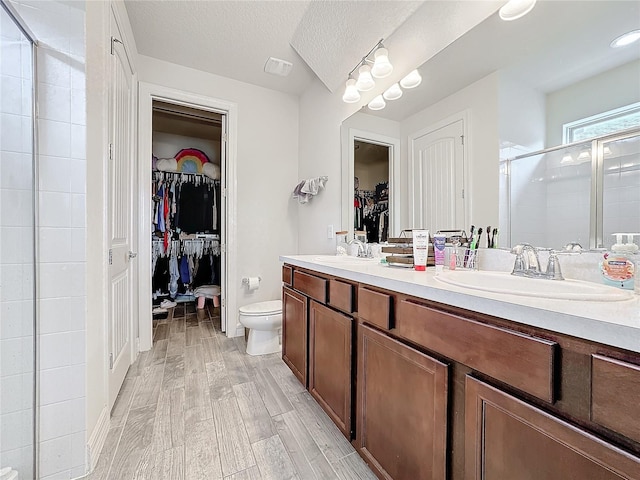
x: 294, y: 332
x: 509, y: 438
x: 429, y: 391
x: 401, y: 428
x: 330, y: 365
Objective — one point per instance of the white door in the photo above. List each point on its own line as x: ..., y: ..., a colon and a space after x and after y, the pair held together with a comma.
x: 436, y: 179
x: 119, y: 214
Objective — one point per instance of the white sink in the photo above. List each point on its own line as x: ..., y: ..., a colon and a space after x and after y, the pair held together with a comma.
x: 344, y: 260
x: 500, y: 282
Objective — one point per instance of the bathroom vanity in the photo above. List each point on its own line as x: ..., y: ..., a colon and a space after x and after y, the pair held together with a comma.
x: 429, y: 380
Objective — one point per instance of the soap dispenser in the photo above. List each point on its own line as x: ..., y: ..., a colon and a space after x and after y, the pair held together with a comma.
x: 619, y: 266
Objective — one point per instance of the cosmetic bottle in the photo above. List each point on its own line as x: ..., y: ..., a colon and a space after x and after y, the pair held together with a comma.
x: 619, y: 266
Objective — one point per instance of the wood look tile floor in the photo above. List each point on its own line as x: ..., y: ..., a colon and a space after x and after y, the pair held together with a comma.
x: 196, y: 406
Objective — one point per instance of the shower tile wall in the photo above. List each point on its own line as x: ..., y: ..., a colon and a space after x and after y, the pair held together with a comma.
x: 59, y: 27
x: 17, y: 253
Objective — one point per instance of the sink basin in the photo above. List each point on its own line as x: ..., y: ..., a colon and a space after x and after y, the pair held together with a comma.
x: 344, y: 260
x: 500, y: 282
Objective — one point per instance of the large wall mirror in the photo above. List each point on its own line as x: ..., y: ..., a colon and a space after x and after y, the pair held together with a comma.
x: 503, y: 101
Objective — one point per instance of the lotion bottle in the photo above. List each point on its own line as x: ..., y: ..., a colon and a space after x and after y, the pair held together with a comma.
x: 619, y: 266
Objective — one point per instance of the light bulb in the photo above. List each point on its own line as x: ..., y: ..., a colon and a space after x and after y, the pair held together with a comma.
x: 412, y: 80
x: 394, y: 92
x: 377, y: 103
x: 365, y: 80
x: 515, y: 9
x: 382, y: 66
x: 351, y: 94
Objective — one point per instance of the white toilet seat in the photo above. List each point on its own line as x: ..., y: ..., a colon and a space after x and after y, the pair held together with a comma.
x: 272, y: 307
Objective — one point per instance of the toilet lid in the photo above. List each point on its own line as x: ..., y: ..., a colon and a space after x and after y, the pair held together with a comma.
x: 262, y: 308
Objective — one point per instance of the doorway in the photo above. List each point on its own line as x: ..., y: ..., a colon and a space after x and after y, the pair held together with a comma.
x: 371, y: 190
x: 201, y: 131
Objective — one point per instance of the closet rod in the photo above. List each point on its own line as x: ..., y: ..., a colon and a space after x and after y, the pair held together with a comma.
x: 201, y: 175
x: 215, y: 121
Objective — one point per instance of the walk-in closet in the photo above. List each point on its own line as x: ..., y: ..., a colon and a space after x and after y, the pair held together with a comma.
x: 186, y: 207
x: 371, y: 190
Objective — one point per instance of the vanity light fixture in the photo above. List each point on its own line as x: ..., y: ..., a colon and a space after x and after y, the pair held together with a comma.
x: 379, y: 67
x: 567, y: 158
x: 515, y: 9
x: 412, y: 80
x: 377, y: 103
x: 626, y: 39
x: 351, y: 93
x: 394, y: 92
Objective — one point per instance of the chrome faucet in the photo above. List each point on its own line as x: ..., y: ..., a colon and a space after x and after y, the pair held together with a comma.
x: 527, y: 263
x: 364, y: 251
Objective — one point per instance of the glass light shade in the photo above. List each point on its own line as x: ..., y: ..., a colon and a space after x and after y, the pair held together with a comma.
x: 394, y: 92
x: 351, y: 94
x: 626, y: 39
x: 412, y: 80
x: 377, y: 103
x: 365, y: 80
x: 382, y: 66
x: 515, y: 9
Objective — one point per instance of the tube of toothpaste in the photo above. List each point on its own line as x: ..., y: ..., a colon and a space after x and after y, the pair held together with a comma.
x: 439, y: 240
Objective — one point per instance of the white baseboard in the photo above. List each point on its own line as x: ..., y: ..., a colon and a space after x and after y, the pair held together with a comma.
x: 97, y: 438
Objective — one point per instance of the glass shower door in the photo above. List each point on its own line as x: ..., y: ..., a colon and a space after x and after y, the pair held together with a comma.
x: 17, y: 250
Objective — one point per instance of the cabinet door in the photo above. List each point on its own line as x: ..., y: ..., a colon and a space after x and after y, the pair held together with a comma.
x: 330, y: 342
x: 506, y: 438
x: 294, y: 333
x: 401, y: 414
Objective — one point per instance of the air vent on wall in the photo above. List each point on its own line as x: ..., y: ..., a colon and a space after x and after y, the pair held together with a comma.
x: 277, y: 66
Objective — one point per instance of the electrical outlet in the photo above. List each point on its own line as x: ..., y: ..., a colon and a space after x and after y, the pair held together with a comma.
x: 330, y: 232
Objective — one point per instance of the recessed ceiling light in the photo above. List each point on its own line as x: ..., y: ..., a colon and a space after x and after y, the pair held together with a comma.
x: 626, y: 39
x: 277, y: 66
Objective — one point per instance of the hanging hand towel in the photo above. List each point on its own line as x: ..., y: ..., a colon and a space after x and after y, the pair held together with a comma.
x: 307, y: 189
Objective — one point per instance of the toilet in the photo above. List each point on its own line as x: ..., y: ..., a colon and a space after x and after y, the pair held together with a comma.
x: 264, y: 320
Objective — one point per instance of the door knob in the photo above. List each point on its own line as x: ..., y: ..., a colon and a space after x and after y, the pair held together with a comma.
x: 132, y: 254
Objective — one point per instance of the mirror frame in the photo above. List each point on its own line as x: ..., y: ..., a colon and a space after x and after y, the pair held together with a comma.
x: 349, y: 137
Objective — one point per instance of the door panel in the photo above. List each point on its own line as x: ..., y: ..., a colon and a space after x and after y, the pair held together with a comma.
x: 401, y: 409
x: 294, y: 332
x: 119, y: 214
x: 436, y: 178
x: 330, y: 340
x: 508, y: 438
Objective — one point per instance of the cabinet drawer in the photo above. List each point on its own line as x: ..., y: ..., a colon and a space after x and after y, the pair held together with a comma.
x: 615, y: 390
x: 310, y: 285
x: 525, y: 362
x: 374, y: 307
x: 286, y: 275
x: 341, y: 295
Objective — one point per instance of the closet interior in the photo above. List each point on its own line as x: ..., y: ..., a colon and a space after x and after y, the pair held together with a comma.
x: 371, y: 190
x: 186, y: 206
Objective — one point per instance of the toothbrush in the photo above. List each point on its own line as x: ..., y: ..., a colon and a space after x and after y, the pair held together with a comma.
x: 469, y: 241
x: 494, y: 238
x: 489, y: 237
x: 476, y: 242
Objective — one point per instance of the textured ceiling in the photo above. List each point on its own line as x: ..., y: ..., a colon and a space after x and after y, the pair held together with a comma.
x: 333, y: 36
x: 233, y: 39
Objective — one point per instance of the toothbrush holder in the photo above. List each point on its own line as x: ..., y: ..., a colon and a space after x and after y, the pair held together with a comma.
x: 466, y: 258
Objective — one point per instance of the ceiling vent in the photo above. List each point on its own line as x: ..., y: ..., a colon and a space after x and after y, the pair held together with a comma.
x: 276, y: 66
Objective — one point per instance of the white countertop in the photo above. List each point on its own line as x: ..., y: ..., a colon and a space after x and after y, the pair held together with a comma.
x: 611, y: 323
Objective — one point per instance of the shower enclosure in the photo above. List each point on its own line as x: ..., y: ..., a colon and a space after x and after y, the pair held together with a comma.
x: 17, y: 249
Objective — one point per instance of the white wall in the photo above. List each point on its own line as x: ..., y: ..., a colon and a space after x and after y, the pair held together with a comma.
x: 17, y: 346
x: 481, y: 101
x: 61, y: 273
x: 267, y: 170
x: 612, y: 89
